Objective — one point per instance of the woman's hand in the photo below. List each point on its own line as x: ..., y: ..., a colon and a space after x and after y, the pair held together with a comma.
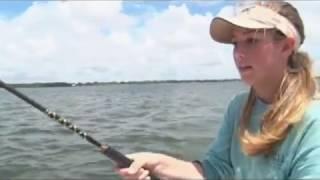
x: 144, y: 164
x: 147, y: 164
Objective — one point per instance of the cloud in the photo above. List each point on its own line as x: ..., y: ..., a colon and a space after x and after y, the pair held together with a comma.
x: 316, y: 68
x: 96, y: 41
x: 199, y: 3
x: 309, y: 11
x: 62, y: 38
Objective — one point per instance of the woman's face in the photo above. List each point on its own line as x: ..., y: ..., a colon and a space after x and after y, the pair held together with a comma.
x: 259, y: 58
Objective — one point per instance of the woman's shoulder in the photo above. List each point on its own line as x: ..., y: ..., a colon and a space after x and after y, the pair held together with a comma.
x: 313, y: 110
x: 309, y: 127
x: 311, y: 118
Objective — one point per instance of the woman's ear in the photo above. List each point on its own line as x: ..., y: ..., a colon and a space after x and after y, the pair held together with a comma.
x: 287, y: 47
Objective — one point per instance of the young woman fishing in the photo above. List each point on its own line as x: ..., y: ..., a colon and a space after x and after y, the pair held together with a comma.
x: 270, y: 132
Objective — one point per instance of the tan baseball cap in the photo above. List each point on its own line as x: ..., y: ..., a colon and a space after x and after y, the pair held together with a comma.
x: 255, y: 17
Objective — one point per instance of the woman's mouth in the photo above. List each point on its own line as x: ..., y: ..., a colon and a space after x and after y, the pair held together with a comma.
x: 245, y: 68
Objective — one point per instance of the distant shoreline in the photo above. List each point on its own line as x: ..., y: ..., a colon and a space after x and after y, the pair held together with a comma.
x: 67, y: 84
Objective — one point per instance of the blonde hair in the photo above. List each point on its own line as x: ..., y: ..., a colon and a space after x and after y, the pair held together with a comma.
x: 297, y: 89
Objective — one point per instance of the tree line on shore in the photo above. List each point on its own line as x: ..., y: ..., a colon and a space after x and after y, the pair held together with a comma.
x: 68, y: 84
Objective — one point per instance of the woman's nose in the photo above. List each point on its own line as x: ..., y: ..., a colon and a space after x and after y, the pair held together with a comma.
x: 238, y: 55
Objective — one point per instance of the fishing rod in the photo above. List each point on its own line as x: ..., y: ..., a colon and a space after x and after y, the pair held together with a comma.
x: 119, y: 158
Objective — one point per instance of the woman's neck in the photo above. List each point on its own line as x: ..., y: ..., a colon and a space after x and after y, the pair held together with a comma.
x: 267, y: 90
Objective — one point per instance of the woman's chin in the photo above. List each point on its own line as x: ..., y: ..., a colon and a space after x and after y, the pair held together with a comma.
x: 247, y: 76
x: 247, y: 80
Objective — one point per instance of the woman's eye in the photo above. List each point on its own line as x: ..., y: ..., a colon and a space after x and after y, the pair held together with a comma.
x: 251, y: 41
x: 234, y: 43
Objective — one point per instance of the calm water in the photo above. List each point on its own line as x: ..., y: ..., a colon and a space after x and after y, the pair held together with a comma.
x: 177, y: 119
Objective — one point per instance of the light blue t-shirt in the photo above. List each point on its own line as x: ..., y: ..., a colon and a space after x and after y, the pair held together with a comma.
x: 297, y: 157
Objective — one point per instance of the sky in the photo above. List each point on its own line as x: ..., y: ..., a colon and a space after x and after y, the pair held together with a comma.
x: 85, y: 41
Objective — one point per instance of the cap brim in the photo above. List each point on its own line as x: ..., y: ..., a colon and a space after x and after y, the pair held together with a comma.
x: 221, y: 29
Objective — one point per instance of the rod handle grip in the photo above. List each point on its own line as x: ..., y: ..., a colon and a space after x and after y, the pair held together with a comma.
x: 121, y: 160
